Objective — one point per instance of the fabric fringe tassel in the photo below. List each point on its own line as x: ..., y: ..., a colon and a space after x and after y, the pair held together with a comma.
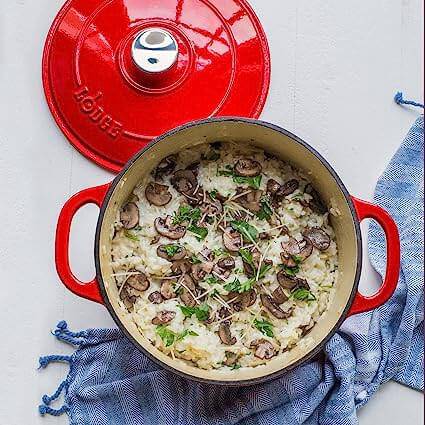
x: 62, y: 333
x: 398, y: 98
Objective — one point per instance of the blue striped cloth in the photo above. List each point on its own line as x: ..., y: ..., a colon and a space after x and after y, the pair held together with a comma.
x: 112, y: 383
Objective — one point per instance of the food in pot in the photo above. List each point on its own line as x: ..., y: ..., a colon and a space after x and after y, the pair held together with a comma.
x: 224, y: 256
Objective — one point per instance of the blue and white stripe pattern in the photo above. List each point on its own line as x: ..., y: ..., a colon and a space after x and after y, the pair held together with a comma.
x: 112, y: 383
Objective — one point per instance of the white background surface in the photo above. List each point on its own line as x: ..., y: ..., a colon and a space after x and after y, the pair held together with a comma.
x: 335, y: 68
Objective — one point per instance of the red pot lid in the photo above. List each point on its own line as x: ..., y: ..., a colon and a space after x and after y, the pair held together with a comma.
x: 118, y: 73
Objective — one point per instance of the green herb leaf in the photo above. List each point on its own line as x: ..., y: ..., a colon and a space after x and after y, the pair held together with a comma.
x: 202, y: 312
x: 238, y: 286
x: 185, y: 333
x: 130, y: 235
x: 235, y: 366
x: 186, y: 213
x: 212, y: 280
x: 253, y: 182
x: 248, y: 232
x: 246, y: 256
x: 172, y: 249
x: 195, y: 260
x: 264, y: 327
x: 218, y: 252
x: 200, y: 232
x: 213, y: 194
x: 266, y: 210
x: 303, y: 294
x: 290, y: 271
x: 166, y: 335
x: 263, y: 270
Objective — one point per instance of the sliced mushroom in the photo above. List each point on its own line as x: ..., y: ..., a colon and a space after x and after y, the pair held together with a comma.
x: 264, y: 349
x: 231, y: 358
x: 187, y: 298
x: 194, y: 167
x: 225, y: 335
x: 232, y: 239
x: 157, y: 194
x: 272, y: 187
x: 264, y: 236
x: 213, y: 208
x: 139, y: 282
x: 248, y: 269
x: 168, y: 229
x: 287, y: 259
x: 286, y: 281
x: 251, y: 201
x: 279, y: 296
x: 246, y: 167
x: 127, y: 298
x: 155, y: 297
x: 306, y: 248
x: 129, y: 215
x: 181, y: 267
x: 316, y: 203
x: 273, y: 308
x: 178, y: 255
x: 184, y: 181
x: 155, y: 239
x: 318, y: 237
x: 163, y: 317
x: 199, y: 271
x: 166, y: 166
x: 244, y: 300
x: 207, y: 253
x: 288, y: 188
x: 223, y: 312
x: 226, y: 263
x: 291, y: 246
x: 167, y: 289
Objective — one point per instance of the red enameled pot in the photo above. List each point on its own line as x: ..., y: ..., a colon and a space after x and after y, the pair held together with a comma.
x: 347, y: 300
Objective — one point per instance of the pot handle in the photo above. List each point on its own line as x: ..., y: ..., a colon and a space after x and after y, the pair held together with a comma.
x: 364, y: 303
x: 89, y: 290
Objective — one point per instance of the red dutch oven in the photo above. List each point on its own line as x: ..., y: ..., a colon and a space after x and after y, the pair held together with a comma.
x: 351, y: 211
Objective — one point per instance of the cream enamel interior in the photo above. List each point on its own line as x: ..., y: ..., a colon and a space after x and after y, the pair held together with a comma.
x: 285, y: 148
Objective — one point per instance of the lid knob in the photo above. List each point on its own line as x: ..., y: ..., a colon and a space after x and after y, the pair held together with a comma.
x: 154, y: 50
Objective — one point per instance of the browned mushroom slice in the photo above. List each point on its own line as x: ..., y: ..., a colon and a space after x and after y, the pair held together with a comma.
x: 246, y: 167
x: 306, y: 248
x: 302, y: 283
x: 157, y: 194
x: 199, y: 271
x: 127, y: 299
x: 227, y: 263
x: 288, y: 188
x: 316, y: 203
x: 285, y: 281
x: 287, y: 259
x: 213, y: 208
x: 231, y: 358
x: 291, y: 246
x: 223, y: 312
x: 163, y: 317
x: 155, y: 239
x: 184, y: 181
x: 251, y: 201
x: 177, y: 252
x: 272, y: 187
x: 318, y: 237
x: 129, y: 215
x: 225, y: 335
x: 167, y: 289
x: 187, y: 298
x: 168, y: 229
x: 232, y: 239
x: 264, y: 236
x: 207, y: 253
x: 155, y: 297
x: 194, y: 167
x: 181, y: 267
x: 279, y: 296
x: 273, y: 308
x: 166, y: 166
x: 137, y: 281
x: 264, y: 349
x: 244, y: 300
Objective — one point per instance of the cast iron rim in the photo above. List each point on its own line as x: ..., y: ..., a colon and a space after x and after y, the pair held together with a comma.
x: 341, y: 186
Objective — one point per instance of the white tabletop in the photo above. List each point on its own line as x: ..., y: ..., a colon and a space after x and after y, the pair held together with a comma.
x: 335, y: 68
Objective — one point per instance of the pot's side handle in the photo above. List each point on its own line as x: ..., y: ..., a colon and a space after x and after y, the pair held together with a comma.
x: 89, y: 290
x: 361, y: 302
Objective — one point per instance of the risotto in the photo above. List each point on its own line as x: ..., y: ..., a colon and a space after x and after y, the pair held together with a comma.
x: 224, y: 256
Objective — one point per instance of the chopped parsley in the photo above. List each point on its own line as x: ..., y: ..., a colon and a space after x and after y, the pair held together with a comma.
x: 253, y: 182
x: 172, y: 249
x: 202, y: 312
x: 169, y: 337
x: 238, y: 286
x: 185, y: 333
x: 194, y: 259
x: 290, y: 271
x: 266, y: 210
x: 303, y: 294
x: 264, y: 327
x: 248, y: 232
x: 130, y: 235
x: 247, y: 258
x: 235, y: 366
x: 213, y: 194
x: 186, y: 213
x: 212, y: 280
x: 200, y: 232
x: 218, y: 252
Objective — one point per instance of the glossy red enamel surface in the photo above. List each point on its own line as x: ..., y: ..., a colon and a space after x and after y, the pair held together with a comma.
x: 109, y: 109
x: 361, y: 302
